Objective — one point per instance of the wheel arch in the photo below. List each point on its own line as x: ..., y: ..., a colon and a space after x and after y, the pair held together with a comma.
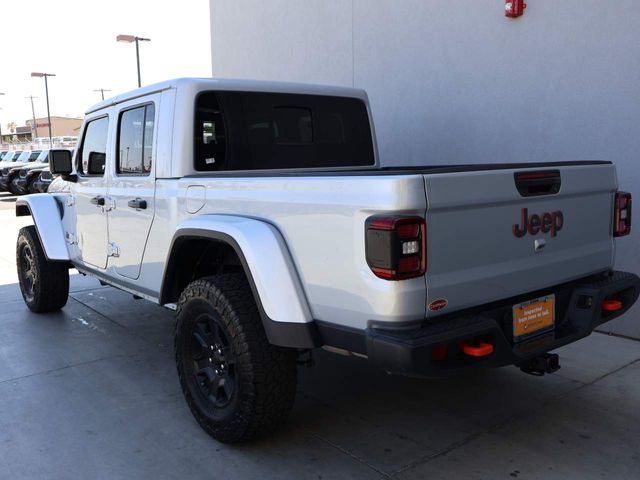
x: 211, y: 244
x: 47, y: 218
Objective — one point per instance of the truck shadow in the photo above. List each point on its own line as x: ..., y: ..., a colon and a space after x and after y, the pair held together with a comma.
x: 116, y: 353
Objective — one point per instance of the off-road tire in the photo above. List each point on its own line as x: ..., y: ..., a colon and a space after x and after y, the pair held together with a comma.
x: 44, y: 284
x: 30, y: 182
x: 265, y: 375
x: 12, y: 189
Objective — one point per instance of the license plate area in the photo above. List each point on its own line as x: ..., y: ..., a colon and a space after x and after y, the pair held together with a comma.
x: 534, y: 317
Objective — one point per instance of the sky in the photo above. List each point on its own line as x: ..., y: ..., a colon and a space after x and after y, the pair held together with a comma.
x: 76, y: 40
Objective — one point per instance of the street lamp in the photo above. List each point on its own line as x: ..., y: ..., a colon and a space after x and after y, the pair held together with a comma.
x: 33, y: 116
x: 46, y: 89
x: 131, y: 39
x: 102, y: 90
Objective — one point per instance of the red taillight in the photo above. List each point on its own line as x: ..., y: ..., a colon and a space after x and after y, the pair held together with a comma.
x: 622, y: 214
x: 396, y: 247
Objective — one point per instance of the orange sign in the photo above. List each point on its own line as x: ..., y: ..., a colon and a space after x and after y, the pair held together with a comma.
x: 532, y: 316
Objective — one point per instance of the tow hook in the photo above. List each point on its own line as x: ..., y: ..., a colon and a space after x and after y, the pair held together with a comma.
x: 547, y: 363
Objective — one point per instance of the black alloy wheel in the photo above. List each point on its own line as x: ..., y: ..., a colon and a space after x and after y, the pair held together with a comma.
x: 30, y: 274
x: 213, y: 361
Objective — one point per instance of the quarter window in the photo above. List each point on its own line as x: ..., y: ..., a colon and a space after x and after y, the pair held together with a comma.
x: 93, y: 153
x: 135, y: 141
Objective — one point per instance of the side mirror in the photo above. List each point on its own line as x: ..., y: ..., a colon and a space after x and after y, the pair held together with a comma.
x: 60, y: 163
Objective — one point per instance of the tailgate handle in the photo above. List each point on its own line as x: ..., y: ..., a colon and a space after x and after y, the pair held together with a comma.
x: 542, y: 182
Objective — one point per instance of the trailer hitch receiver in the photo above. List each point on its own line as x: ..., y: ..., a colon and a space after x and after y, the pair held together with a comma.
x: 547, y: 363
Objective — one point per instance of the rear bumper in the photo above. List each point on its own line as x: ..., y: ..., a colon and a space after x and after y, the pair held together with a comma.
x: 433, y: 348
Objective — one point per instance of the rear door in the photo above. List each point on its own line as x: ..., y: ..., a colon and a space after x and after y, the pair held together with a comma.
x: 132, y: 186
x: 90, y: 193
x: 494, y: 234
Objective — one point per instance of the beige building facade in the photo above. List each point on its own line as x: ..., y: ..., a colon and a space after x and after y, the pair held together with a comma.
x: 60, y: 127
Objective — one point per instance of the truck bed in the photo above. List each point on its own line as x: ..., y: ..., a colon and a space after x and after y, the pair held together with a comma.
x: 473, y: 257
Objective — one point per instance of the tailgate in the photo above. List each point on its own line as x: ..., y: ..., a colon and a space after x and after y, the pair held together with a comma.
x: 487, y: 241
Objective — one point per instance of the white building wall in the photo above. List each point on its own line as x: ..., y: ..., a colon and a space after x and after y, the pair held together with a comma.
x: 457, y: 82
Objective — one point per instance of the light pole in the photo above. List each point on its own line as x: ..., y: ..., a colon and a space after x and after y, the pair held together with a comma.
x: 33, y: 116
x: 46, y: 89
x: 1, y: 126
x: 102, y: 90
x: 137, y: 40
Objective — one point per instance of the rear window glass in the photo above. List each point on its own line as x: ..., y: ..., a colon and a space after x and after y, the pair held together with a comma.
x: 256, y: 131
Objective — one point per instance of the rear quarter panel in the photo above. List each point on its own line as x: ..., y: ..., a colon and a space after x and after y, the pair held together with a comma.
x: 322, y: 222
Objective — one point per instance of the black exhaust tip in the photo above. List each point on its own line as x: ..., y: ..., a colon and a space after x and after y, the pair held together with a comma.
x: 547, y: 363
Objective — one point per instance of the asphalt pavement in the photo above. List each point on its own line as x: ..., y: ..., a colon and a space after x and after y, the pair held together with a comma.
x: 92, y: 392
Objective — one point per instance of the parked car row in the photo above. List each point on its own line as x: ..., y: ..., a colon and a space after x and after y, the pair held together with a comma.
x: 23, y: 172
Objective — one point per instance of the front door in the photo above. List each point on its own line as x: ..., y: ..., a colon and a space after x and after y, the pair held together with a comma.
x: 132, y: 188
x: 90, y: 194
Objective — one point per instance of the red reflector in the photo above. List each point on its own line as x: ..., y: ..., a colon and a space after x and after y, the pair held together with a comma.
x: 483, y: 349
x: 611, y: 305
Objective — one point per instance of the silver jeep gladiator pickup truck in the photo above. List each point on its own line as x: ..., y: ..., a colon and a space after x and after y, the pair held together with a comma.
x: 259, y: 213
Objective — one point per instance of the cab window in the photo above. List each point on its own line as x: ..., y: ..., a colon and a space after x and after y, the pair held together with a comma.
x: 93, y: 152
x: 135, y: 141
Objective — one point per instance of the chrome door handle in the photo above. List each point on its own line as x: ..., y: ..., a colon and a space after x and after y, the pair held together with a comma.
x: 99, y: 201
x: 138, y: 204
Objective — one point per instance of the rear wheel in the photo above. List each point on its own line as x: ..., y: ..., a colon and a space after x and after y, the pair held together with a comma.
x: 237, y: 385
x: 44, y: 285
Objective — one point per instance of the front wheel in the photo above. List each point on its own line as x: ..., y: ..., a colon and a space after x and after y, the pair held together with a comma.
x: 13, y: 189
x: 237, y: 385
x: 44, y: 284
x: 31, y: 185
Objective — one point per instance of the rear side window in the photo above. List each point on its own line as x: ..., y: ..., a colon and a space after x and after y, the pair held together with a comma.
x: 135, y: 140
x: 256, y: 131
x: 93, y: 152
